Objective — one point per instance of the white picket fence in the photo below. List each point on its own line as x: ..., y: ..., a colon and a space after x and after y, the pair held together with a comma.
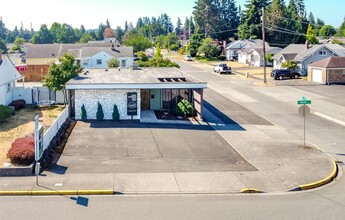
x: 51, y: 132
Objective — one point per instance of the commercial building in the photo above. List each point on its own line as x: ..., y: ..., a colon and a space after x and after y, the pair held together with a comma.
x: 133, y: 91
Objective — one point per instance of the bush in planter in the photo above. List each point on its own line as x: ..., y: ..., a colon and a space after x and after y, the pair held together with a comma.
x: 18, y: 104
x: 116, y: 115
x: 83, y: 113
x: 22, y: 151
x: 5, y: 112
x: 99, y: 114
x: 185, y: 107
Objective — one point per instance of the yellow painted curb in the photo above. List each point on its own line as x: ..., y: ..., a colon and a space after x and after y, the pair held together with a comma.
x: 95, y: 192
x: 323, y: 181
x: 55, y: 192
x: 250, y: 190
x: 15, y: 193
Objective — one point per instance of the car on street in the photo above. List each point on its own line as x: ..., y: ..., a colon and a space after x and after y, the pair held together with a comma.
x: 222, y: 68
x: 283, y: 73
x: 188, y: 58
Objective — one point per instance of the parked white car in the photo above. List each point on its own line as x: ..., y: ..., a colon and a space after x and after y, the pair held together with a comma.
x: 188, y: 58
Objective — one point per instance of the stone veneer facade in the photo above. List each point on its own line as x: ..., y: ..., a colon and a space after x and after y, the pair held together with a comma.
x: 107, y: 98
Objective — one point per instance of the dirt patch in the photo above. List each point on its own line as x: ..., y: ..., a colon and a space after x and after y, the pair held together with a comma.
x: 22, y: 125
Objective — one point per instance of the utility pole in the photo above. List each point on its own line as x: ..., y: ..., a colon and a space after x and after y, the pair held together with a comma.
x: 264, y: 43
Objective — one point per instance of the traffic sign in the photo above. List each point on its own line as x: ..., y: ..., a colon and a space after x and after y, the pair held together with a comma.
x: 304, y: 101
x: 304, y: 110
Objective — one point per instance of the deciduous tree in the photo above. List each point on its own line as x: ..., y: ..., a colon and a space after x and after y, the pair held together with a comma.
x: 60, y: 73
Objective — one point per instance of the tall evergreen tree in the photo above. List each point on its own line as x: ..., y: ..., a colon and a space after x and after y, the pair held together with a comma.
x: 295, y: 22
x: 140, y: 23
x: 3, y: 30
x: 227, y: 20
x: 275, y: 21
x: 178, y: 28
x: 311, y: 18
x: 251, y: 22
x: 205, y: 16
x: 43, y: 36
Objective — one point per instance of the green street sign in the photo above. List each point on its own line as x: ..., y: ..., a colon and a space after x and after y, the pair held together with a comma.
x: 304, y: 101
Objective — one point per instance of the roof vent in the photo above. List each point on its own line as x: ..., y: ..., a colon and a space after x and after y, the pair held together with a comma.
x: 106, y: 70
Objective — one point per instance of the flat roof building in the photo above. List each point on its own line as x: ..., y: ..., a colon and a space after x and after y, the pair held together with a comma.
x: 147, y: 89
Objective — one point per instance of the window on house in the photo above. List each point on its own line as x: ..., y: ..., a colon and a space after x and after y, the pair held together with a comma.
x: 8, y: 87
x: 123, y: 63
x: 99, y: 62
x: 322, y: 53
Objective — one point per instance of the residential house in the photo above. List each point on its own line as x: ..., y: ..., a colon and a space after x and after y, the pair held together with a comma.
x: 306, y: 54
x: 97, y: 57
x: 328, y: 71
x: 232, y: 49
x: 254, y: 56
x: 8, y: 76
x: 40, y: 56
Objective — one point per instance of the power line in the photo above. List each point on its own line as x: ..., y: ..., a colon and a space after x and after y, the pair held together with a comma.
x: 304, y: 22
x: 285, y: 32
x: 217, y: 32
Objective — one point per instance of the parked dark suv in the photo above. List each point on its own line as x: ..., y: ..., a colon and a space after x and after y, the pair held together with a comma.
x: 281, y: 74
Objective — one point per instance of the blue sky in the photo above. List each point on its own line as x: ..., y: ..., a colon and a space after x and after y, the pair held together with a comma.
x: 91, y: 13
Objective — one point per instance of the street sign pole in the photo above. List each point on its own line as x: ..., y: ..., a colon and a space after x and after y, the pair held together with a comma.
x: 36, y: 148
x: 304, y: 125
x: 304, y: 102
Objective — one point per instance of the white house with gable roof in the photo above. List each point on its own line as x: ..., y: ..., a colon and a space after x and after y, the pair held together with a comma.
x: 8, y: 76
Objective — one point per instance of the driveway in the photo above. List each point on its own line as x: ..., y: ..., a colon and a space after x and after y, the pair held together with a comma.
x: 132, y: 147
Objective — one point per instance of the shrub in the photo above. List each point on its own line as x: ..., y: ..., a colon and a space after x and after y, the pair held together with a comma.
x: 222, y: 58
x: 18, y: 104
x: 142, y: 56
x: 83, y: 113
x: 113, y: 63
x: 99, y: 114
x: 185, y: 107
x: 181, y: 51
x: 5, y: 112
x: 173, y: 47
x: 22, y: 151
x: 116, y: 115
x: 290, y: 64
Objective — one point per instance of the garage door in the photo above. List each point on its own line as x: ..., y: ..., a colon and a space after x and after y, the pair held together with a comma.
x: 317, y: 75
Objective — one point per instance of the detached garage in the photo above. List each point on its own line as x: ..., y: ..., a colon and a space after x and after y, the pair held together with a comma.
x: 328, y: 71
x: 133, y: 92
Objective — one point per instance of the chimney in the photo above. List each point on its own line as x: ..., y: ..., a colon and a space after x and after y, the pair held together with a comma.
x: 307, y: 45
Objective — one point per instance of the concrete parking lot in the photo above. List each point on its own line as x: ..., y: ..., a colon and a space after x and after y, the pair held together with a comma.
x: 131, y: 147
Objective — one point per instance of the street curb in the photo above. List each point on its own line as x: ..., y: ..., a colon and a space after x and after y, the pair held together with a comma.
x: 319, y: 183
x: 55, y: 192
x: 250, y: 190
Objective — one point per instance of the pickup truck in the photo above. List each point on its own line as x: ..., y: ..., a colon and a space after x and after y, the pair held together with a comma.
x: 222, y: 68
